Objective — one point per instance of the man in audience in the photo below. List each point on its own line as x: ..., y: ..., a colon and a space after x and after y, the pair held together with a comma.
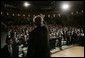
x: 7, y: 50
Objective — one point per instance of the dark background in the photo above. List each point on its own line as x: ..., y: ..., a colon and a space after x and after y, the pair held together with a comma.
x: 41, y: 7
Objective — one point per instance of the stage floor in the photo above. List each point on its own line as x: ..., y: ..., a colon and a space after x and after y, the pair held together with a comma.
x: 75, y: 51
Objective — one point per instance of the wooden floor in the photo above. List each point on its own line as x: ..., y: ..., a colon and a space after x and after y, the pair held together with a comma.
x: 75, y: 51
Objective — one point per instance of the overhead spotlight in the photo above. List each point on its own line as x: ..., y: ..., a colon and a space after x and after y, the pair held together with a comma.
x: 65, y: 6
x: 26, y: 4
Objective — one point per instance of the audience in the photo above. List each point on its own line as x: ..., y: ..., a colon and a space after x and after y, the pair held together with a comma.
x: 19, y: 35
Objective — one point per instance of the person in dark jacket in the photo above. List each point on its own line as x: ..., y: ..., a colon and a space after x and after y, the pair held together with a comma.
x: 38, y: 45
x: 9, y: 50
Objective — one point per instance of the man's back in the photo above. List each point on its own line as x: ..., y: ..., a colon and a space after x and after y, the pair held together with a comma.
x: 38, y: 43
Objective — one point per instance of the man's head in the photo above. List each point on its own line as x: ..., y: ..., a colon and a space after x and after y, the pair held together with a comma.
x: 9, y: 41
x: 38, y: 20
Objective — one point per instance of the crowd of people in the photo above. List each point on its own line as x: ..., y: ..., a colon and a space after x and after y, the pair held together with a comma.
x: 57, y: 34
x: 69, y: 35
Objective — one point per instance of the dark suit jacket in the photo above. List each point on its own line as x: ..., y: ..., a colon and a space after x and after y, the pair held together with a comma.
x: 38, y: 43
x: 15, y: 50
x: 5, y: 52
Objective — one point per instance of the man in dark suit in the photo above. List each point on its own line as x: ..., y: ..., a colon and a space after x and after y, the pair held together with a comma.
x: 38, y: 45
x: 7, y: 50
x: 60, y: 40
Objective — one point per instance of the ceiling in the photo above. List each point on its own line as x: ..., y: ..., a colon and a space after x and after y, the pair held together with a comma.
x: 42, y: 4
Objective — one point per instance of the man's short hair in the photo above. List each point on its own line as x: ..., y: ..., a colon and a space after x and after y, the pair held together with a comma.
x: 38, y: 16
